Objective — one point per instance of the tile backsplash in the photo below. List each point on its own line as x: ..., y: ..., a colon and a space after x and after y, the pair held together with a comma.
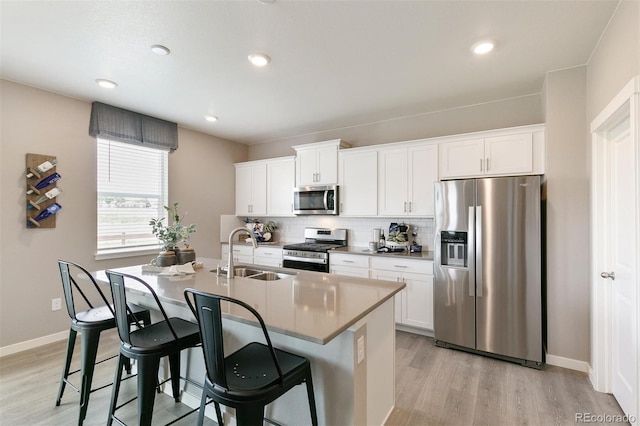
x: 291, y: 230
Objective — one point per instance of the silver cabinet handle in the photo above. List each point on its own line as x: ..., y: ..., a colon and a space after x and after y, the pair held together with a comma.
x: 481, y: 164
x: 399, y: 266
x: 347, y: 261
x: 405, y: 206
x: 611, y: 275
x: 410, y: 207
x: 487, y: 164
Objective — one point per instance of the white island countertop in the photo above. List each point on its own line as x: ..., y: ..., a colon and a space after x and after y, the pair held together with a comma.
x: 312, y: 306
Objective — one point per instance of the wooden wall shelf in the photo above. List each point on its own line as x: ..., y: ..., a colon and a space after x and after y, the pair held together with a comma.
x: 41, y: 201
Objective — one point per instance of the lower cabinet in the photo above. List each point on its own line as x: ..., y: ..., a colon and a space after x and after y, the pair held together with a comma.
x: 266, y: 256
x: 414, y: 304
x: 351, y: 265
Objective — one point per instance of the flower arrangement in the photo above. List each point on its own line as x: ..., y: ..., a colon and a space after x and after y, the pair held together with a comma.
x: 176, y: 232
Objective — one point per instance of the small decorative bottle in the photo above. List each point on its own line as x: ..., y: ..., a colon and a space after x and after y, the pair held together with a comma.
x: 383, y: 241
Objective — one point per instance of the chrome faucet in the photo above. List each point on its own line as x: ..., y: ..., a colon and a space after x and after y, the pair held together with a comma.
x: 230, y: 269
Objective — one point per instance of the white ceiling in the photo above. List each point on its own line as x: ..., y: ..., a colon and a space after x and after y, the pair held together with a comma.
x: 334, y: 63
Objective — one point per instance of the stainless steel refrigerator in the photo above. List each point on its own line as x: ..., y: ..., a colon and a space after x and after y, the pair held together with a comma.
x: 488, y: 267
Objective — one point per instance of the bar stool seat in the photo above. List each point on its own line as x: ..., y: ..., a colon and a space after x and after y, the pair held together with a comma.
x: 89, y: 323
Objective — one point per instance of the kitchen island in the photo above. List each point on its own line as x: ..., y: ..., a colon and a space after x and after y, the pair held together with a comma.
x: 344, y: 325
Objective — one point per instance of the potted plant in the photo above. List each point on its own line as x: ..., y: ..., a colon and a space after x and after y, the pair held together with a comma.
x: 171, y: 235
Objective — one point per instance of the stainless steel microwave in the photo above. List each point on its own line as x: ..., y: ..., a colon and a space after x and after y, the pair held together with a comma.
x: 309, y: 200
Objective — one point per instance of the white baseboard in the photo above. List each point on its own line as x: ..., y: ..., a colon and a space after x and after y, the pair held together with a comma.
x: 30, y: 344
x: 572, y: 364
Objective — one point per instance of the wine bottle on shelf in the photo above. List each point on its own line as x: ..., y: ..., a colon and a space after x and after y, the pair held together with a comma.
x: 46, y: 166
x: 52, y: 209
x: 49, y: 195
x: 46, y: 182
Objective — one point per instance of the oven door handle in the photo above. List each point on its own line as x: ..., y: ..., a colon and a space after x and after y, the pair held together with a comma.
x: 305, y: 259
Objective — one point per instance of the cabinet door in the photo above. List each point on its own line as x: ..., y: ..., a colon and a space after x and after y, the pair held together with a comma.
x: 462, y: 159
x: 327, y: 167
x: 392, y: 183
x: 306, y: 167
x: 418, y: 303
x: 244, y: 184
x: 281, y: 177
x: 259, y: 190
x: 350, y: 271
x: 358, y: 184
x: 423, y: 172
x: 398, y: 301
x: 509, y: 154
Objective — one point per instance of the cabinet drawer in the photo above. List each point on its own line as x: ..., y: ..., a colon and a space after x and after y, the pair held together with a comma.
x: 243, y: 250
x: 353, y: 260
x: 402, y: 265
x: 271, y: 252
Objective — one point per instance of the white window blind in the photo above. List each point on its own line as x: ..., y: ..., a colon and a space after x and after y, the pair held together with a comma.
x: 132, y: 189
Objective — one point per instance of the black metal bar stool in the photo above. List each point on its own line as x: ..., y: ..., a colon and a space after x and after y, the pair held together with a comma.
x: 251, y: 377
x: 89, y: 322
x: 147, y: 345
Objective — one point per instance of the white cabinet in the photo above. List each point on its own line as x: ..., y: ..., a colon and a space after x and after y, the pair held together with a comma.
x: 268, y: 256
x: 509, y: 152
x: 406, y: 177
x: 351, y: 265
x: 358, y: 182
x: 251, y: 189
x: 245, y: 253
x: 280, y: 184
x: 317, y: 163
x: 241, y: 253
x: 414, y: 304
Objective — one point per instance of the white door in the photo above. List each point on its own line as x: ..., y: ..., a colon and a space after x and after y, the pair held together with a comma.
x: 392, y: 188
x: 358, y: 183
x: 622, y: 246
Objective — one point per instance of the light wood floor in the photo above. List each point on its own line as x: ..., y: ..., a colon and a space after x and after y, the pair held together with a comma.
x: 434, y: 386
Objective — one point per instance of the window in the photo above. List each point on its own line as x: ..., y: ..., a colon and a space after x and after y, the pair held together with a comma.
x: 132, y: 189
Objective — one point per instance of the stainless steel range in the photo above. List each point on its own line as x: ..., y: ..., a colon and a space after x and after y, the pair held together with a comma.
x: 313, y: 254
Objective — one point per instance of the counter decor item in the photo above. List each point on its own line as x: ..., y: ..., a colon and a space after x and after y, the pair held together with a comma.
x: 171, y: 235
x: 263, y: 232
x: 41, y: 190
x: 398, y: 235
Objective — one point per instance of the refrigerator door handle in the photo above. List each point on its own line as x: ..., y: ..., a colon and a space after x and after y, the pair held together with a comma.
x: 471, y: 253
x: 478, y: 250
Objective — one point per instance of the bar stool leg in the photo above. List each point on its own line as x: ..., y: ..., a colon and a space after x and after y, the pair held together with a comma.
x: 147, y: 377
x: 116, y: 388
x: 90, y: 341
x: 71, y: 342
x: 312, y: 400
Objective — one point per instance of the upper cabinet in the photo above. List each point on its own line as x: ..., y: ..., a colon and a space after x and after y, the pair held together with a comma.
x: 518, y: 151
x: 251, y: 188
x: 358, y: 182
x: 265, y: 187
x: 317, y: 163
x: 406, y: 177
x: 280, y: 183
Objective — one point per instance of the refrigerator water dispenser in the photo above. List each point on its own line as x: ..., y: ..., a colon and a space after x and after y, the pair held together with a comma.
x: 454, y: 248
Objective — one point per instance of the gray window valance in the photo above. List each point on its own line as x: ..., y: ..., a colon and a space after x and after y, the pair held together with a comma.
x: 119, y: 124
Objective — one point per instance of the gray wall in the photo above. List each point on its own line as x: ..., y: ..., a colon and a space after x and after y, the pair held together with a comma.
x: 35, y: 121
x: 567, y: 190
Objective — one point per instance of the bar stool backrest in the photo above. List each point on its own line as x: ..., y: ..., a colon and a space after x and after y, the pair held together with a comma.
x: 207, y: 310
x: 71, y: 288
x: 118, y: 292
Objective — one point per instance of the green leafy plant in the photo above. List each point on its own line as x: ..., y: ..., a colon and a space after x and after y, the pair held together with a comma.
x: 176, y: 232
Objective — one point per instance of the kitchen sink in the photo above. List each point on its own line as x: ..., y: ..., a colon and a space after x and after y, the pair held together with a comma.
x: 270, y: 276
x: 259, y: 274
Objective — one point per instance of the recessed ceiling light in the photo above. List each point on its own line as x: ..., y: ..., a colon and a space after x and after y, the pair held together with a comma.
x: 259, y: 59
x: 160, y: 50
x: 107, y: 84
x: 483, y: 47
x: 211, y: 118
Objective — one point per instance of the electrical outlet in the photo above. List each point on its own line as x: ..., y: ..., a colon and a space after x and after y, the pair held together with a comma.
x: 360, y: 349
x: 56, y: 304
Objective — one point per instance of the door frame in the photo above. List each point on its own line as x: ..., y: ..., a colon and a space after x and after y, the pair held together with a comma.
x: 626, y: 104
